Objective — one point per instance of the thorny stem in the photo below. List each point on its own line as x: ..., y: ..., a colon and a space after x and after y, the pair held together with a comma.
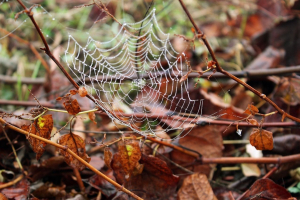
x: 221, y: 70
x: 119, y: 187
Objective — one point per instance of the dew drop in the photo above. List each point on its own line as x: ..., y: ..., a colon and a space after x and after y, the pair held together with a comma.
x: 46, y: 35
x: 53, y: 18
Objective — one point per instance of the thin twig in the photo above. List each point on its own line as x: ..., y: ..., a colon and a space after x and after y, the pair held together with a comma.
x: 13, y: 148
x: 78, y: 179
x: 5, y: 185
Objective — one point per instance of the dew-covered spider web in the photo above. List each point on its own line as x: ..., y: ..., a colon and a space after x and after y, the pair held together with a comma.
x: 138, y: 69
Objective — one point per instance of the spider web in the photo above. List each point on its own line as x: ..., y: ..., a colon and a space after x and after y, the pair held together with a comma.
x: 138, y: 71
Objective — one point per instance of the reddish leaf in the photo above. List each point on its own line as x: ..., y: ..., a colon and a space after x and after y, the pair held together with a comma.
x: 92, y: 117
x: 158, y: 168
x: 155, y: 182
x: 251, y: 110
x: 107, y: 157
x: 265, y: 189
x: 253, y: 122
x: 72, y: 106
x: 41, y: 170
x: 2, y: 197
x: 126, y: 159
x: 58, y: 98
x: 261, y: 139
x: 82, y: 91
x: 76, y: 144
x: 41, y: 127
x: 19, y: 191
x: 207, y: 141
x: 196, y: 186
x: 73, y: 92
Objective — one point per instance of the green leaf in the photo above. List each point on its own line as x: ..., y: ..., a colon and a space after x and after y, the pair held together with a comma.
x: 298, y: 185
x: 294, y: 190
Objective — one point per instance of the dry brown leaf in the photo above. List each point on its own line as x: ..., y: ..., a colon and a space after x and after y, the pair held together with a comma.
x: 265, y: 189
x: 18, y: 191
x: 253, y: 122
x: 72, y: 106
x: 251, y: 110
x: 261, y: 139
x: 2, y: 197
x: 156, y: 179
x: 107, y: 157
x: 41, y: 127
x: 82, y: 91
x: 92, y: 117
x: 76, y: 144
x: 183, y: 78
x: 207, y: 141
x: 58, y: 98
x: 73, y: 92
x: 126, y: 159
x: 196, y: 186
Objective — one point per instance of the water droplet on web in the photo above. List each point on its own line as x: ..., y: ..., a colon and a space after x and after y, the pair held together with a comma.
x: 53, y: 18
x: 46, y: 35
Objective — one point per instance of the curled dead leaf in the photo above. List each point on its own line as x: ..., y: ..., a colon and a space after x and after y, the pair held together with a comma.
x: 73, y: 92
x: 92, y: 117
x: 82, y: 91
x: 251, y: 110
x: 72, y: 106
x: 252, y: 121
x: 41, y: 127
x: 76, y: 144
x: 107, y: 156
x: 183, y: 78
x: 2, y: 197
x: 261, y: 139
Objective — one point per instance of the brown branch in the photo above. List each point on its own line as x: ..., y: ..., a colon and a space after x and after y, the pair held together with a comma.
x: 119, y: 187
x: 221, y: 70
x: 239, y: 74
x: 237, y: 160
x: 272, y: 171
x: 174, y: 147
x: 78, y: 179
x: 24, y: 80
x: 203, y: 122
